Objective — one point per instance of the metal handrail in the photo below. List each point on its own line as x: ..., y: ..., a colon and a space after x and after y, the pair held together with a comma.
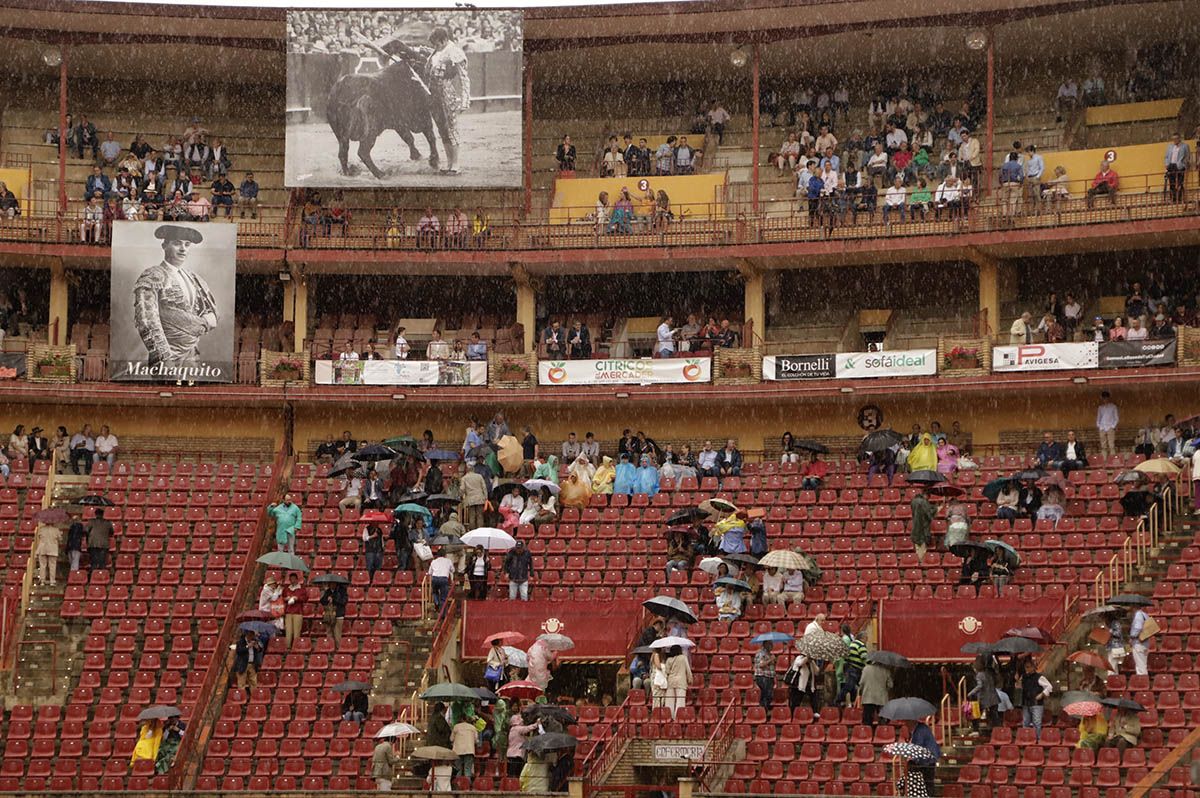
x: 718, y: 743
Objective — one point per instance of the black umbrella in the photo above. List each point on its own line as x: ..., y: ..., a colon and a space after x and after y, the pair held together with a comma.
x: 686, y: 516
x: 95, y: 501
x: 442, y: 498
x: 374, y: 453
x: 968, y: 549
x: 1029, y: 474
x: 991, y: 491
x: 551, y: 741
x: 485, y: 694
x: 1129, y: 477
x: 446, y: 540
x: 350, y: 686
x: 670, y: 607
x: 925, y: 477
x: 976, y: 648
x: 260, y: 628
x: 541, y: 711
x: 480, y: 452
x: 945, y: 490
x: 889, y: 659
x: 414, y: 496
x: 880, y: 441
x: 502, y: 489
x: 1130, y: 600
x: 344, y: 464
x: 1015, y: 645
x: 644, y: 650
x: 160, y: 712
x: 1123, y: 703
x: 440, y: 455
x: 811, y: 446
x: 331, y: 579
x: 741, y: 559
x: 907, y: 709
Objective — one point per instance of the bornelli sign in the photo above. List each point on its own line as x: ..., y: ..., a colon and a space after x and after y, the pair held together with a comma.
x: 902, y: 363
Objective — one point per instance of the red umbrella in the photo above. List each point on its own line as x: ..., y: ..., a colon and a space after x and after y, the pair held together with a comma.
x: 256, y: 615
x: 375, y: 517
x: 1035, y: 633
x: 1090, y: 658
x: 504, y: 639
x: 521, y: 689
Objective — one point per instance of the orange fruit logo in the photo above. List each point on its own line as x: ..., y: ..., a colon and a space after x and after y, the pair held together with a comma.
x: 691, y: 372
x: 556, y: 374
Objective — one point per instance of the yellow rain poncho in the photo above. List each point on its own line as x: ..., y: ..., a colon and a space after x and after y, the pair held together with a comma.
x: 602, y: 480
x: 149, y: 739
x: 923, y: 457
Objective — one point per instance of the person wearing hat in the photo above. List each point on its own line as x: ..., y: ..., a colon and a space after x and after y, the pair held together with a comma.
x: 39, y: 445
x: 173, y: 307
x: 248, y: 655
x: 450, y: 86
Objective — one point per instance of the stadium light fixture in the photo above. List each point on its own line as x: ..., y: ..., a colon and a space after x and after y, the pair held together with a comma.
x: 285, y: 276
x: 738, y: 58
x: 977, y: 39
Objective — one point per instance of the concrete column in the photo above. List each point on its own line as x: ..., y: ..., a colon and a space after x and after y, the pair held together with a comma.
x: 57, y: 332
x: 299, y: 311
x: 755, y: 304
x: 687, y: 788
x: 574, y: 787
x: 526, y: 306
x: 989, y: 296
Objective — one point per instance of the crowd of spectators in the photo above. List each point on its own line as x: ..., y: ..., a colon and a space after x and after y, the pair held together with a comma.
x: 474, y: 30
x: 84, y: 448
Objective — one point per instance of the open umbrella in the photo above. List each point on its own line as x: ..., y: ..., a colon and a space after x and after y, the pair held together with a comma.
x: 1130, y: 600
x: 159, y: 712
x: 400, y: 441
x: 784, y: 558
x: 255, y: 615
x: 446, y: 540
x: 343, y: 464
x: 502, y: 489
x: 441, y: 498
x: 771, y: 637
x: 733, y: 584
x: 376, y: 517
x: 1029, y: 475
x: 967, y: 549
x: 709, y: 565
x: 907, y: 708
x: 413, y: 496
x: 490, y: 538
x: 945, y: 490
x: 516, y: 657
x: 925, y: 477
x: 1010, y: 554
x: 1103, y: 609
x: 1123, y: 703
x: 283, y: 559
x: 822, y: 645
x: 552, y: 741
x: 52, y: 515
x: 1034, y: 633
x: 260, y: 628
x: 416, y: 509
x: 978, y: 647
x: 396, y: 730
x: 1082, y: 709
x: 687, y: 515
x: 95, y: 501
x: 889, y: 659
x: 671, y: 642
x: 374, y: 453
x: 1075, y: 696
x: 503, y: 638
x: 480, y: 452
x: 485, y: 694
x: 991, y: 491
x: 741, y: 559
x: 716, y: 505
x: 1089, y: 658
x: 1129, y: 477
x: 556, y: 642
x: 541, y: 711
x: 449, y: 691
x: 644, y: 650
x: 524, y: 689
x: 440, y: 455
x: 331, y: 579
x: 810, y: 446
x: 880, y: 440
x: 537, y: 484
x: 1159, y: 465
x: 1015, y: 645
x: 350, y: 686
x: 433, y: 752
x: 689, y: 531
x: 511, y: 455
x: 909, y: 751
x: 670, y: 607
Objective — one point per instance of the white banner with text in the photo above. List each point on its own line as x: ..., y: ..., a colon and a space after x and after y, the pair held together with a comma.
x: 900, y: 363
x: 630, y: 371
x: 400, y: 372
x: 1046, y: 357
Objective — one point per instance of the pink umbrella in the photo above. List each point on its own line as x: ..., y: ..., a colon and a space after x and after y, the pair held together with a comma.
x: 522, y: 689
x: 1083, y: 709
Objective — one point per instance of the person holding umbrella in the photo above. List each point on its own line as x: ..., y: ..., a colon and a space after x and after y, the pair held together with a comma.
x: 294, y: 595
x: 922, y: 735
x: 172, y: 736
x: 496, y: 664
x: 270, y: 600
x: 801, y: 679
x: 850, y: 666
x: 287, y: 523
x: 384, y: 762
x: 984, y: 693
x: 1124, y: 725
x: 149, y: 740
x: 99, y: 538
x: 355, y: 706
x: 517, y: 731
x: 76, y: 536
x: 1139, y: 638
x: 876, y: 690
x: 247, y: 657
x: 923, y: 513
x: 334, y: 599
x: 764, y: 675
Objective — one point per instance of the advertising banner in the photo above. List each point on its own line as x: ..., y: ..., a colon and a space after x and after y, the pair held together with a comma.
x: 601, y: 630
x: 631, y: 371
x: 1133, y: 354
x: 902, y: 363
x: 1046, y: 357
x: 798, y: 367
x: 404, y: 98
x: 400, y: 372
x: 172, y: 301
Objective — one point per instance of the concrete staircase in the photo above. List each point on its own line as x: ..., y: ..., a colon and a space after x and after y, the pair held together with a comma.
x: 398, y: 673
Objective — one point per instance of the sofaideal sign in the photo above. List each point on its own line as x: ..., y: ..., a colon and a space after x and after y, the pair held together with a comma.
x: 888, y: 361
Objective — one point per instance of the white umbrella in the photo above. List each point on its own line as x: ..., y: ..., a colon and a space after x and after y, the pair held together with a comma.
x: 490, y: 538
x: 396, y: 730
x: 670, y: 642
x: 556, y: 642
x: 538, y: 484
x: 516, y: 657
x: 709, y: 566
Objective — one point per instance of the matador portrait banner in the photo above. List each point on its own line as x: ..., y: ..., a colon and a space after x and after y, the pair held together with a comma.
x: 173, y: 301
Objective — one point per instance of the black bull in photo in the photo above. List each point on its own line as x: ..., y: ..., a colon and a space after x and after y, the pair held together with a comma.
x: 361, y: 107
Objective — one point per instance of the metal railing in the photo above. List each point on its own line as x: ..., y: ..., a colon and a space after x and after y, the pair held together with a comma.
x: 1137, y: 548
x: 718, y: 744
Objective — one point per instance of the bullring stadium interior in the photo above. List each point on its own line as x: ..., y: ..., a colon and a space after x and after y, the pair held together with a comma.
x: 782, y: 274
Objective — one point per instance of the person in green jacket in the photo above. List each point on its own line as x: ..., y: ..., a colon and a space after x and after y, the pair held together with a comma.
x: 287, y: 523
x: 923, y: 513
x: 920, y: 200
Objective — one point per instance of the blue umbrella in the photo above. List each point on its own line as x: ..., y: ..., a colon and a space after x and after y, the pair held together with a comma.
x: 772, y: 637
x: 441, y: 454
x: 259, y: 628
x: 416, y: 509
x: 735, y: 584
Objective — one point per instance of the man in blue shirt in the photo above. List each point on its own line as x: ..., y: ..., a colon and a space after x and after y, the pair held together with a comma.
x: 476, y: 348
x: 1011, y: 177
x: 1049, y: 452
x: 1035, y: 167
x: 97, y: 181
x: 248, y: 197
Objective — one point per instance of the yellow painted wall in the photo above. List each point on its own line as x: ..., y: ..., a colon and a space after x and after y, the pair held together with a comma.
x: 691, y: 195
x: 17, y: 181
x: 1133, y: 112
x: 1139, y: 167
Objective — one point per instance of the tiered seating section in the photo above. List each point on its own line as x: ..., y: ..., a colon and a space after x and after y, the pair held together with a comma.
x: 183, y: 533
x: 20, y: 499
